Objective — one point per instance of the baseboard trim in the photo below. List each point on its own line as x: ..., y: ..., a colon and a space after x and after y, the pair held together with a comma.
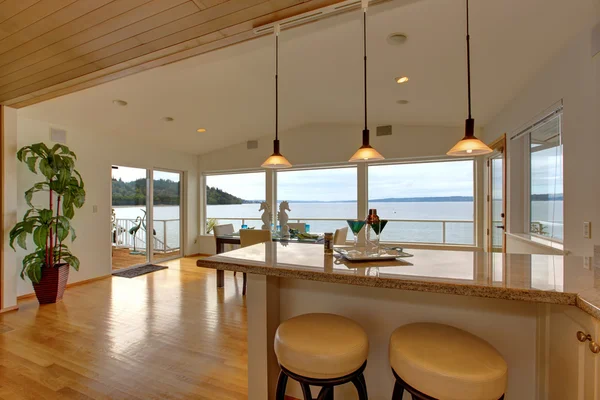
x: 8, y: 309
x: 200, y: 255
x: 69, y: 285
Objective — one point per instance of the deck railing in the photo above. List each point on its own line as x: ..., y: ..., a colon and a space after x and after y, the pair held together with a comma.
x: 433, y: 231
x: 161, y: 243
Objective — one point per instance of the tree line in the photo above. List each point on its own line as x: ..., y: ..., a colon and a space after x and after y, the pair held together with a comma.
x: 166, y: 192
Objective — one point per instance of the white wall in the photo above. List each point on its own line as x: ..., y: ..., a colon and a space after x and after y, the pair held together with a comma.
x: 335, y: 143
x: 568, y: 76
x: 9, y: 292
x: 96, y: 153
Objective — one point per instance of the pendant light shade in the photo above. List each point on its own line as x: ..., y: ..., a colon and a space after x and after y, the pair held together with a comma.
x: 365, y: 152
x: 276, y: 160
x: 469, y: 145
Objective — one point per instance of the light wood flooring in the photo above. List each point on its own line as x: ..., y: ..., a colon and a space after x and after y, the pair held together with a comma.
x: 122, y: 258
x: 165, y: 335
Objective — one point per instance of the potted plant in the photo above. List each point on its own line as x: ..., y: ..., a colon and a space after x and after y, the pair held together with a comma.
x: 48, y: 266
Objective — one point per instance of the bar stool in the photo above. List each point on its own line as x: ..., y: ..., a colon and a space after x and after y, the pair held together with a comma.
x: 323, y: 350
x: 434, y: 361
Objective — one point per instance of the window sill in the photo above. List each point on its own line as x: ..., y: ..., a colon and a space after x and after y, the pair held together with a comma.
x: 536, y: 240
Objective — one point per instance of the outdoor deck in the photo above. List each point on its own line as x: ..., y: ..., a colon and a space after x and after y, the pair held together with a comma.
x: 121, y: 258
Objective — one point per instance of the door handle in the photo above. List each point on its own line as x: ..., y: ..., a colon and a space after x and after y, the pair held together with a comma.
x: 582, y: 337
x: 500, y: 226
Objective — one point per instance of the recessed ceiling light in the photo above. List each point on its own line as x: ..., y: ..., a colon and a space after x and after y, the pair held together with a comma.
x: 201, y: 130
x: 396, y: 39
x: 121, y: 103
x: 402, y: 102
x: 401, y: 79
x: 168, y: 119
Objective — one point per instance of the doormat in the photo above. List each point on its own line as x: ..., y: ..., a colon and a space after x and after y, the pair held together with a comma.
x: 144, y: 269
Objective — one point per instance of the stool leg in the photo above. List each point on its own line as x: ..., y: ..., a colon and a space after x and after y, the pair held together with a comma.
x: 281, y: 384
x: 244, y: 285
x: 361, y: 386
x: 398, y: 391
x: 326, y: 393
x: 306, y: 391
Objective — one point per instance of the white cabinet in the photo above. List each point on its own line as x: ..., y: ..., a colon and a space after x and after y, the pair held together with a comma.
x: 571, y: 370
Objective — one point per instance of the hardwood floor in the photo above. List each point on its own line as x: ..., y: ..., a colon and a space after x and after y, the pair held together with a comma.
x: 122, y: 258
x: 165, y: 335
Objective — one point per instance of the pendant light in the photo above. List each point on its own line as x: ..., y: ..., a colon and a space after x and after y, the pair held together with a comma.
x: 469, y: 145
x: 365, y: 152
x: 276, y: 160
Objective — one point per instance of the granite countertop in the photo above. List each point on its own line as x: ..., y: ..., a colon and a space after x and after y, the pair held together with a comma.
x: 535, y: 278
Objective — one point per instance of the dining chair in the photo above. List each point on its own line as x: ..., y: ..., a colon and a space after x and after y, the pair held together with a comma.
x: 249, y: 237
x: 226, y: 229
x: 221, y: 230
x: 299, y: 226
x: 340, y: 235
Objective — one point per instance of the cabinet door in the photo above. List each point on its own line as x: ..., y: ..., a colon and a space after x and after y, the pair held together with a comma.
x: 573, y: 368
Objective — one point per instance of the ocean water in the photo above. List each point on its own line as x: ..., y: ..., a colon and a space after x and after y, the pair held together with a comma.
x: 425, y: 224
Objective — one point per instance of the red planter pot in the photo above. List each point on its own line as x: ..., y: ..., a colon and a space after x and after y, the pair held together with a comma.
x: 52, y: 285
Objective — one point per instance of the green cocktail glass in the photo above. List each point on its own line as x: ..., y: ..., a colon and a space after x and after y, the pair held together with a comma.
x: 378, y: 226
x: 355, y: 226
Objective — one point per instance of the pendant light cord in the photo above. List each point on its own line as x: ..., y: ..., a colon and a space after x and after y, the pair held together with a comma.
x: 468, y: 61
x: 365, y: 60
x: 276, y: 85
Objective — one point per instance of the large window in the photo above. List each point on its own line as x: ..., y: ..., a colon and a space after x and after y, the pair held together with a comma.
x: 323, y: 198
x: 546, y: 180
x: 234, y: 199
x: 429, y: 202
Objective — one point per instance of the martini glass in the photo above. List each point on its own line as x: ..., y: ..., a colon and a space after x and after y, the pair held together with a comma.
x: 377, y: 229
x: 355, y: 226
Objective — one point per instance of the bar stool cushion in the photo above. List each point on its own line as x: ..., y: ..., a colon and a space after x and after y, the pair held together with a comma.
x: 447, y: 363
x: 321, y: 346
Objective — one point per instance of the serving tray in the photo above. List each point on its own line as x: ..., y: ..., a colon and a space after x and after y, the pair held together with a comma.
x: 361, y: 254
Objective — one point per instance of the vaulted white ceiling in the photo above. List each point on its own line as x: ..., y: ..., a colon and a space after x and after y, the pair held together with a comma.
x: 230, y: 92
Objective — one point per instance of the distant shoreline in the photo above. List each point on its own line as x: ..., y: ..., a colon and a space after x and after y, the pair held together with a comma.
x: 439, y: 199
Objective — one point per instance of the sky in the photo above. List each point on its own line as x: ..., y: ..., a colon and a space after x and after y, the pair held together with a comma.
x: 453, y: 178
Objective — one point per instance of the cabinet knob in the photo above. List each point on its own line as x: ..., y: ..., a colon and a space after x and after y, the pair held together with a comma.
x: 582, y: 337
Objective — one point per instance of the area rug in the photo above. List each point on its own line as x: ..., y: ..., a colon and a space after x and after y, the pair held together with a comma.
x: 144, y: 269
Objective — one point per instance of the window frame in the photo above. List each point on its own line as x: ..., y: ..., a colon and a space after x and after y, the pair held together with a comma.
x: 558, y: 113
x: 362, y: 188
x: 430, y: 160
x: 203, y: 196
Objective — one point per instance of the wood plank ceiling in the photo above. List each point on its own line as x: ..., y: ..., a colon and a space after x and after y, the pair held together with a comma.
x: 49, y: 48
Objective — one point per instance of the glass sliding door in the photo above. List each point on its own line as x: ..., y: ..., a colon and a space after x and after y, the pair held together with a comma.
x: 166, y: 215
x: 129, y: 217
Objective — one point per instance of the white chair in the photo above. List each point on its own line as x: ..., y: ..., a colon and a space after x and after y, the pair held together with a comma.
x: 340, y: 235
x: 299, y: 226
x: 249, y: 237
x: 222, y: 230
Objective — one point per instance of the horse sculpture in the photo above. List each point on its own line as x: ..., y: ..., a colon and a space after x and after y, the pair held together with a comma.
x: 266, y: 216
x: 282, y: 217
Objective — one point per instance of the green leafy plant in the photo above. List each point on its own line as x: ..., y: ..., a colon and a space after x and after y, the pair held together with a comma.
x: 210, y: 224
x: 49, y: 227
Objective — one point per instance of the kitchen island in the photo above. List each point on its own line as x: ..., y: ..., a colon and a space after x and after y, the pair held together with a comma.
x: 512, y: 301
